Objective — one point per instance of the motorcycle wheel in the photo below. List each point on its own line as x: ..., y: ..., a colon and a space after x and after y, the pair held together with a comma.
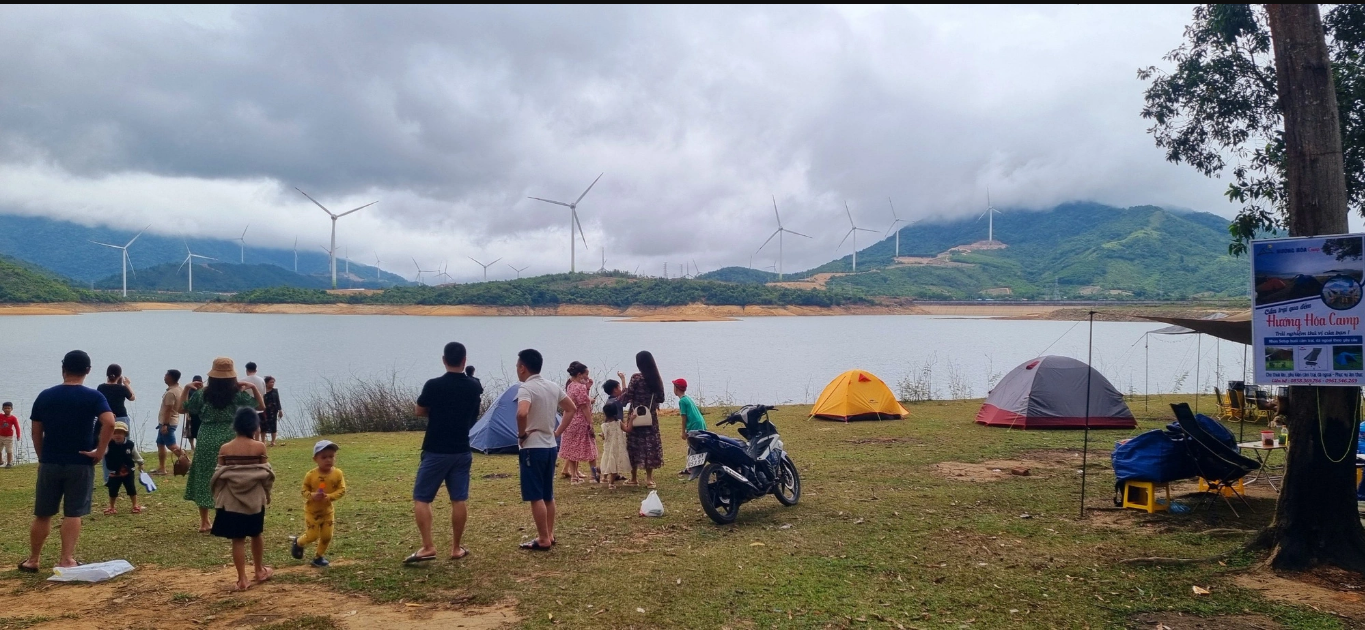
x: 788, y: 490
x: 713, y: 488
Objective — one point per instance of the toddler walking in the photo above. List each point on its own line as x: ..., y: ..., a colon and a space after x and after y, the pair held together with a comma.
x: 124, y: 462
x: 321, y: 487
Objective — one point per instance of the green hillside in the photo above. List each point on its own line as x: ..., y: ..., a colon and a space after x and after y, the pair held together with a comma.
x: 1076, y: 250
x: 22, y: 282
x: 212, y: 278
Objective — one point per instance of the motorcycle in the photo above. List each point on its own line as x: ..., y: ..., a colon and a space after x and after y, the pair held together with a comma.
x: 730, y: 472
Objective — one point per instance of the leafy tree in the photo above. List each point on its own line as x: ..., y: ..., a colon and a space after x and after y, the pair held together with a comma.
x: 1221, y: 102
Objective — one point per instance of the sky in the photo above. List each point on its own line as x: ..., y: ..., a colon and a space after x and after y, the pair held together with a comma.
x: 201, y: 120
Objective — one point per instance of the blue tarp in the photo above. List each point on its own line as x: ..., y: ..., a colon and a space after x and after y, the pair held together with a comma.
x: 1160, y: 456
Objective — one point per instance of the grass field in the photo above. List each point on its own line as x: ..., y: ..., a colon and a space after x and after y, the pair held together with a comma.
x: 885, y: 535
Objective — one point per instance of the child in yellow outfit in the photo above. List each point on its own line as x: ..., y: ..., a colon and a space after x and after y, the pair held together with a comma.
x: 321, y: 487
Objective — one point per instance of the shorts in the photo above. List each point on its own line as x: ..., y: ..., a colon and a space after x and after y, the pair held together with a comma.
x: 69, y: 485
x: 538, y: 473
x: 452, y: 469
x: 7, y: 445
x: 166, y: 439
x: 125, y: 481
x: 228, y: 524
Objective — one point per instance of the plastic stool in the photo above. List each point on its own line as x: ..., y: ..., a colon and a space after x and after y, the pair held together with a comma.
x: 1141, y: 495
x: 1227, y: 492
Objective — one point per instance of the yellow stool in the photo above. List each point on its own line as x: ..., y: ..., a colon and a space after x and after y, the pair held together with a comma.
x: 1227, y: 492
x: 1141, y: 495
x: 1359, y: 471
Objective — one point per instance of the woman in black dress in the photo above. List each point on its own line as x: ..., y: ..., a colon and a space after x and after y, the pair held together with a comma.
x: 642, y: 399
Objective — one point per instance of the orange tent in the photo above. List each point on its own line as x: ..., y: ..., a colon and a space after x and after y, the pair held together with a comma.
x: 857, y: 395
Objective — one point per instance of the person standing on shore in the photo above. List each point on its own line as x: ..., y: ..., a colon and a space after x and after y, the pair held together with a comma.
x: 72, y: 426
x: 168, y: 421
x: 117, y: 389
x: 692, y: 420
x: 579, y: 441
x: 537, y: 401
x: 9, y: 433
x: 450, y: 403
x: 273, y: 411
x: 259, y: 384
x: 192, y: 435
x: 642, y: 399
x: 216, y: 404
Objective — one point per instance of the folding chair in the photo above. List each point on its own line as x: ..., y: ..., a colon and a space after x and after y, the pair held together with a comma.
x: 1226, y: 413
x: 1219, y: 464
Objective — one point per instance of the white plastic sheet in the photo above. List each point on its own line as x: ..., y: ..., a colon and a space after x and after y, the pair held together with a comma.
x: 652, y: 505
x: 97, y: 572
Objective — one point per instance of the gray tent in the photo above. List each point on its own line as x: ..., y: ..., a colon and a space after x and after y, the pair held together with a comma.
x: 1049, y: 393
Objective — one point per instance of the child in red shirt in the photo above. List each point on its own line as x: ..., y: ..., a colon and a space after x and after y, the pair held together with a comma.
x: 9, y: 433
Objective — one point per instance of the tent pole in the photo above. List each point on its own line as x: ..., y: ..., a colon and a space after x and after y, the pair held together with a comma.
x: 1241, y: 417
x: 1146, y: 372
x: 1085, y: 449
x: 1198, y: 358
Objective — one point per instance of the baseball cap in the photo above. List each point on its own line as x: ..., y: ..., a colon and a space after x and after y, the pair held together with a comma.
x: 323, y: 445
x: 681, y: 383
x: 119, y: 426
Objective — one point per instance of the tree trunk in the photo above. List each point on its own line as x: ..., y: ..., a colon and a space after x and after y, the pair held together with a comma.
x: 1315, y: 519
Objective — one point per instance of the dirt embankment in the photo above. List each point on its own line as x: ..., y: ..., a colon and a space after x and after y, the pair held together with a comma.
x: 689, y: 313
x: 76, y: 308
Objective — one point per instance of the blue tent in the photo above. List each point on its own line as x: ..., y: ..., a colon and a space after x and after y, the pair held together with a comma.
x: 496, y: 431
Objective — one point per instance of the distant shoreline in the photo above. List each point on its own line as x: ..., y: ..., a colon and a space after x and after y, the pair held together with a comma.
x: 689, y: 313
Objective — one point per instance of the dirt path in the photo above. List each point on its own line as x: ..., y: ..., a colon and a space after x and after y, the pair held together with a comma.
x: 151, y: 597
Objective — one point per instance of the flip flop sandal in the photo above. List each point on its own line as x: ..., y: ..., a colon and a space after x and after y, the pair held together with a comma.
x: 534, y: 545
x: 416, y: 559
x: 23, y: 568
x: 110, y: 511
x: 461, y: 556
x: 139, y: 509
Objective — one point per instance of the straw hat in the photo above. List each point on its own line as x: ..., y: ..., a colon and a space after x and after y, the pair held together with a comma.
x: 222, y: 368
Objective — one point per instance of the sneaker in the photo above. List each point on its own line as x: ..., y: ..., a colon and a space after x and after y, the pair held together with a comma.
x: 294, y: 548
x: 321, y: 562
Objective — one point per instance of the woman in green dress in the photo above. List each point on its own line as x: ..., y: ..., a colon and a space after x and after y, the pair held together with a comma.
x: 215, y: 403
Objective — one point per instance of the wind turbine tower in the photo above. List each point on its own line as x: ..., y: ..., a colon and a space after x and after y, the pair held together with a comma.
x: 853, y: 231
x: 778, y: 233
x: 573, y: 220
x: 296, y: 254
x: 332, y: 252
x: 378, y: 271
x: 123, y: 257
x: 990, y: 218
x: 485, y: 267
x: 895, y: 221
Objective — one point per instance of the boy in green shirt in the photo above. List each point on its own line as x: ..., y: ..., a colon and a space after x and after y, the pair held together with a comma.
x: 692, y: 420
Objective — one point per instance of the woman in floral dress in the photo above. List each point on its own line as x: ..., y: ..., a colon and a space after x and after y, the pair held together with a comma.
x: 578, y: 440
x: 642, y: 399
x: 216, y: 404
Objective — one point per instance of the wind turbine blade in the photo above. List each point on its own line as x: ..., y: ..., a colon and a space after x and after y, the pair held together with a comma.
x: 494, y: 262
x: 557, y: 203
x: 849, y: 213
x: 841, y: 243
x: 137, y: 235
x: 893, y: 209
x: 476, y: 261
x: 419, y: 267
x: 182, y: 265
x: 357, y: 209
x: 130, y: 261
x: 315, y: 201
x: 107, y: 245
x: 574, y: 212
x: 243, y: 236
x: 779, y: 217
x: 796, y: 233
x: 770, y: 239
x: 865, y: 230
x: 585, y: 193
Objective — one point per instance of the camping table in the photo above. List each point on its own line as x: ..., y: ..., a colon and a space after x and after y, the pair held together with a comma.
x: 1262, y: 454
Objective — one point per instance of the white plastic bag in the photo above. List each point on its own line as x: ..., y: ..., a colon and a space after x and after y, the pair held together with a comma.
x: 147, y: 482
x: 652, y: 506
x: 97, y: 572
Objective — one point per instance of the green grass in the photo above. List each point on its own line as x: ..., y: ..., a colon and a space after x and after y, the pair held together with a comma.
x: 877, y: 537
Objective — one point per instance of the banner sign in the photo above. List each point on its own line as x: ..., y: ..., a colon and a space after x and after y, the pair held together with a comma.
x: 1306, y: 310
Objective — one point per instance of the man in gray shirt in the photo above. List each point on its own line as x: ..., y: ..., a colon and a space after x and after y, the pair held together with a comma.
x: 537, y: 402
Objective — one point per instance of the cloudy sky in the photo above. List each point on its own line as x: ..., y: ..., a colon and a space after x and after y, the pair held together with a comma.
x: 200, y: 120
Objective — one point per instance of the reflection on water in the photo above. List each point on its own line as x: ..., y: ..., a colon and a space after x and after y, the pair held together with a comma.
x: 781, y: 360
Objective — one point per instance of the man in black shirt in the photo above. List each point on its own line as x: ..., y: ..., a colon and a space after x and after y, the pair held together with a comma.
x: 450, y: 403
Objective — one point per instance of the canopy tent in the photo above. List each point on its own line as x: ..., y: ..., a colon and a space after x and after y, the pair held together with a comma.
x: 1234, y: 328
x: 857, y: 395
x: 1049, y: 393
x: 496, y: 430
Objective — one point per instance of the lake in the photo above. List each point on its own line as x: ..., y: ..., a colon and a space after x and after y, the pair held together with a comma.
x: 778, y: 360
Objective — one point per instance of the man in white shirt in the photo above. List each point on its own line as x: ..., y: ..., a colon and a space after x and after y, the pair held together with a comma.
x: 537, y: 402
x: 259, y: 384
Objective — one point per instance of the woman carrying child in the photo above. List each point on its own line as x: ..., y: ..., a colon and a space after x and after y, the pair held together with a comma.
x: 241, y: 486
x: 579, y: 443
x: 216, y: 405
x: 615, y: 459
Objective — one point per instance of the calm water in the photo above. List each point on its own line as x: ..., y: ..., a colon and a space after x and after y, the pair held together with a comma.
x: 766, y: 359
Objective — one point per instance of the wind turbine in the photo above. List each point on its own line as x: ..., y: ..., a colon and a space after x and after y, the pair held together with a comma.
x: 421, y: 271
x: 485, y: 267
x: 241, y: 241
x: 603, y: 268
x: 347, y: 257
x: 378, y: 271
x: 895, y: 220
x: 125, y: 260
x: 445, y: 267
x: 189, y: 260
x: 332, y: 253
x: 519, y: 270
x: 990, y: 221
x: 296, y: 254
x: 778, y: 233
x: 573, y: 219
x: 853, y: 231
